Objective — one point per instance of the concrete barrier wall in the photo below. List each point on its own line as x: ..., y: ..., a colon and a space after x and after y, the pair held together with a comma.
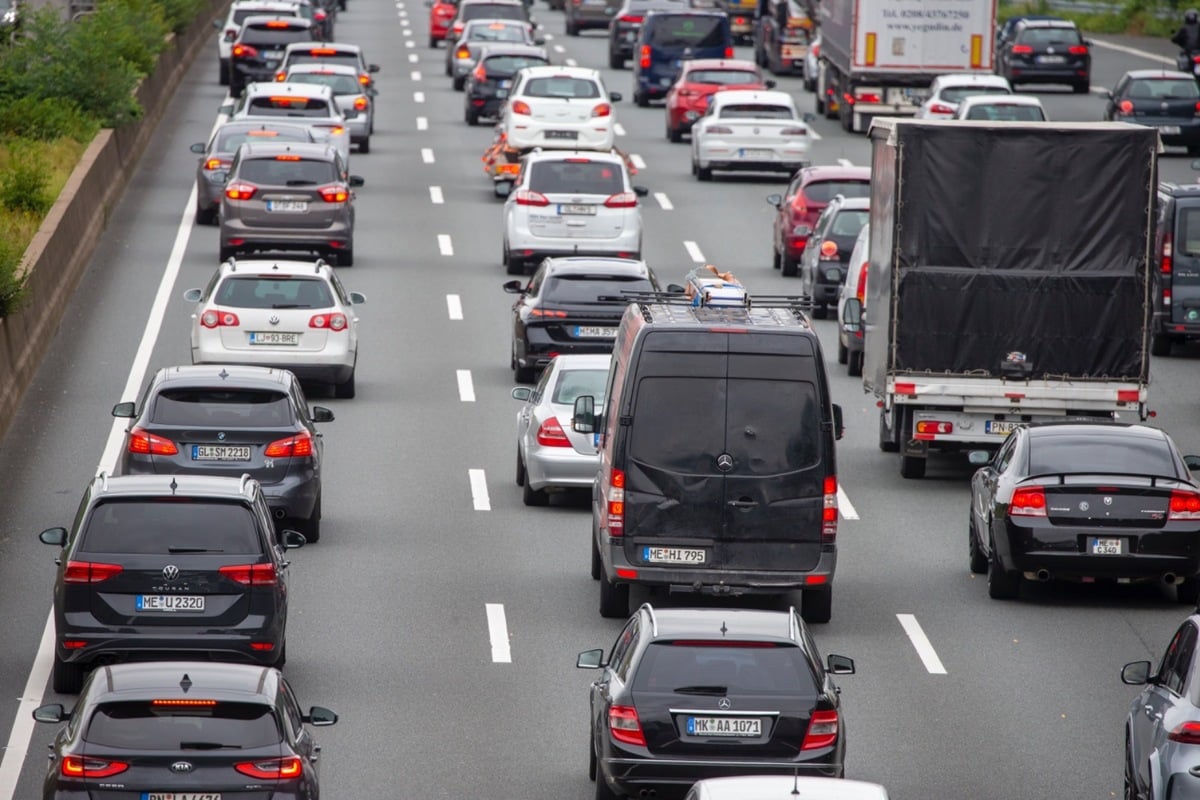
x: 63, y: 246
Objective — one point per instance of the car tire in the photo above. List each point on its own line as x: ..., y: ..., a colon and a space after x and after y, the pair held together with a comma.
x: 282, y: 660
x: 843, y: 353
x: 1188, y: 592
x: 432, y: 43
x: 459, y: 82
x: 1130, y: 792
x: 341, y: 5
x: 311, y: 527
x: 788, y: 267
x: 810, y: 84
x: 1160, y: 345
x: 816, y: 605
x: 344, y: 257
x: 572, y: 29
x: 704, y: 173
x: 345, y: 390
x: 227, y: 253
x: 470, y: 116
x: 889, y: 440
x: 534, y: 497
x: 775, y: 259
x: 67, y: 678
x: 602, y: 790
x: 449, y: 71
x: 597, y: 567
x: 206, y: 216
x: 615, y: 61
x: 222, y: 72
x: 520, y: 476
x: 1002, y: 584
x: 912, y: 467
x: 640, y: 99
x: 854, y: 365
x: 820, y: 310
x: 614, y: 604
x: 591, y: 759
x: 819, y: 102
x: 674, y: 135
x: 365, y: 145
x: 514, y: 265
x: 978, y: 560
x: 1082, y: 88
x: 524, y: 374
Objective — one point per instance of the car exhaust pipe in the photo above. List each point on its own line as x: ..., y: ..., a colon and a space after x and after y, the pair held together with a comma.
x: 648, y: 793
x: 280, y: 513
x: 1170, y: 579
x: 1043, y: 575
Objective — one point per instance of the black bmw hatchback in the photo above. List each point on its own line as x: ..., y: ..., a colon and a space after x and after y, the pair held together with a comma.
x: 694, y: 693
x: 167, y: 566
x: 179, y: 730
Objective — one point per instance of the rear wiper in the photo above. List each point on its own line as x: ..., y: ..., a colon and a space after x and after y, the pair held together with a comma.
x: 290, y: 305
x: 298, y: 182
x: 174, y: 550
x: 722, y: 690
x: 208, y: 746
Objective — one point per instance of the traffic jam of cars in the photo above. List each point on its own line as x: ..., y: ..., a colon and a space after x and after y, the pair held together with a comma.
x: 697, y: 420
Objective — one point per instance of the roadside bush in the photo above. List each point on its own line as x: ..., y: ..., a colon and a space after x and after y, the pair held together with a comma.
x: 180, y: 13
x: 1136, y: 17
x: 12, y: 287
x: 45, y: 119
x: 24, y: 181
x: 131, y: 30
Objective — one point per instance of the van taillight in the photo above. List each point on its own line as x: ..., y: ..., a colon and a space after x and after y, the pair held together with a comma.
x: 616, y: 503
x: 1167, y: 255
x: 645, y: 60
x: 729, y: 52
x: 829, y: 514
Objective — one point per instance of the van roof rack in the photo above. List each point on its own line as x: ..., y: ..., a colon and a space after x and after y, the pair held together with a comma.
x: 799, y: 302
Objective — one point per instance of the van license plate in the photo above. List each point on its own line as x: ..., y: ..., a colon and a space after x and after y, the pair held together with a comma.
x: 170, y: 602
x: 999, y: 428
x: 1105, y: 547
x: 724, y: 726
x: 673, y: 555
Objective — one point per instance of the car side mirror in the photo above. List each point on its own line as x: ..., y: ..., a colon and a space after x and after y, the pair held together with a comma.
x: 769, y: 84
x: 124, y: 410
x: 641, y: 191
x: 358, y: 298
x: 675, y: 288
x: 320, y: 717
x: 502, y: 188
x: 372, y: 68
x: 590, y: 659
x: 808, y: 116
x: 840, y: 665
x: 775, y: 200
x: 1196, y: 163
x: 1136, y: 673
x: 839, y: 427
x: 193, y: 295
x: 321, y: 414
x: 521, y: 392
x: 293, y: 539
x: 614, y: 96
x: 198, y: 148
x: 54, y: 536
x: 583, y: 418
x: 978, y: 458
x: 852, y: 314
x: 513, y: 287
x: 54, y: 712
x: 356, y: 181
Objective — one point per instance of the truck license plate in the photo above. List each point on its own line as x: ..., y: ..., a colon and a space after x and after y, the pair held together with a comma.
x: 999, y: 428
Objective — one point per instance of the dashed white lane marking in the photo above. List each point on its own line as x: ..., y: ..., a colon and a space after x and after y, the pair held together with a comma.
x: 618, y: 129
x: 845, y: 507
x: 637, y: 161
x: 435, y: 195
x: 404, y: 14
x: 558, y: 48
x: 1133, y: 51
x: 415, y: 75
x: 406, y: 32
x: 845, y: 162
x: 404, y: 23
x: 570, y: 62
x: 694, y: 251
x: 479, y: 493
x: 664, y: 201
x: 409, y: 43
x: 445, y: 246
x: 498, y: 633
x: 427, y: 155
x: 549, y: 37
x: 454, y: 306
x: 920, y: 641
x: 418, y: 97
x: 466, y: 388
x: 413, y: 58
x: 422, y: 123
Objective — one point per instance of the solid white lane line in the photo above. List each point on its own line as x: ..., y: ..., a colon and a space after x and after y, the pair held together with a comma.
x: 558, y: 48
x: 413, y: 58
x: 427, y: 155
x: 435, y: 195
x: 845, y: 507
x: 693, y: 250
x: 920, y: 641
x: 418, y: 97
x: 479, y: 492
x: 445, y: 246
x: 466, y: 388
x: 663, y: 201
x: 845, y: 162
x: 1133, y: 51
x: 618, y: 129
x: 570, y: 62
x: 498, y: 633
x: 31, y: 698
x: 422, y: 123
x: 415, y: 75
x: 637, y: 161
x: 454, y: 306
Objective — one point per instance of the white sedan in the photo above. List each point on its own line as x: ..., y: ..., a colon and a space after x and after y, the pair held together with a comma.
x: 785, y: 787
x: 746, y: 129
x: 561, y: 108
x: 1002, y: 108
x: 948, y: 91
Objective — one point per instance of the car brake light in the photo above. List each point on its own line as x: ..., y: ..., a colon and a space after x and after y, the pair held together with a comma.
x: 278, y: 23
x: 334, y: 194
x: 926, y: 429
x: 940, y: 108
x: 296, y: 446
x: 360, y: 103
x: 797, y: 131
x: 77, y: 767
x: 630, y: 19
x: 602, y: 110
x: 1022, y: 49
x: 280, y: 76
x: 244, y: 51
x: 829, y: 513
x: 551, y: 434
x: 322, y: 51
x: 521, y: 107
x: 616, y: 503
x: 861, y: 291
x: 1184, y: 505
x: 829, y: 250
x: 1167, y: 255
x: 822, y: 730
x: 240, y: 191
x: 1187, y: 732
x: 527, y: 197
x: 287, y: 157
x: 271, y: 768
x: 231, y: 34
x: 143, y: 442
x: 462, y: 52
x: 622, y: 200
x: 480, y: 74
x: 457, y: 29
x: 645, y: 59
x: 1028, y: 501
x: 719, y: 130
x: 1078, y: 50
x: 1128, y: 395
x: 624, y: 725
x: 729, y: 52
x: 334, y: 322
x: 90, y: 572
x: 1125, y: 107
x: 861, y: 96
x: 218, y: 319
x: 251, y: 574
x: 182, y: 702
x: 547, y: 312
x: 216, y: 164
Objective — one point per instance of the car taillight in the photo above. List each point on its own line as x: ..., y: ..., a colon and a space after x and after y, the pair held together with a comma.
x: 213, y: 164
x: 145, y: 443
x: 829, y: 250
x: 240, y: 191
x: 729, y: 52
x: 334, y: 194
x: 271, y: 768
x: 861, y: 96
x: 630, y: 19
x: 360, y: 103
x: 334, y: 322
x: 1028, y: 501
x: 829, y: 513
x: 231, y: 34
x: 602, y: 110
x: 940, y: 108
x: 719, y: 130
x: 480, y: 74
x: 521, y: 107
x: 1125, y: 107
x: 1022, y: 49
x: 861, y: 291
x: 251, y: 574
x: 219, y: 319
x: 457, y: 29
x: 364, y: 78
x: 1186, y: 733
x: 797, y: 131
x: 1184, y: 505
x: 319, y: 15
x: 527, y: 197
x: 90, y: 572
x: 547, y: 312
x: 822, y: 730
x: 551, y: 434
x: 1078, y: 50
x: 645, y: 58
x: 77, y: 767
x: 280, y: 76
x: 622, y: 200
x: 688, y: 93
x: 624, y: 725
x: 244, y: 51
x: 462, y: 52
x: 1166, y: 255
x: 616, y: 503
x: 296, y: 446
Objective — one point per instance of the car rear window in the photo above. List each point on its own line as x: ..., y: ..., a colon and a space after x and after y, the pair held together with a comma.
x: 1163, y: 89
x: 590, y: 288
x: 644, y: 6
x: 580, y: 176
x: 507, y: 65
x: 168, y: 525
x: 496, y: 32
x: 273, y: 172
x: 308, y: 57
x: 1049, y: 36
x: 225, y: 408
x: 574, y: 383
x: 755, y: 111
x: 669, y: 30
x: 1006, y: 112
x: 723, y: 77
x: 849, y: 222
x: 824, y: 191
x: 143, y: 725
x: 253, y: 291
x: 1137, y: 455
x: 285, y: 105
x: 955, y: 94
x: 562, y: 86
x: 488, y: 11
x: 259, y: 35
x: 230, y: 141
x: 689, y: 667
x: 341, y: 84
x: 240, y: 15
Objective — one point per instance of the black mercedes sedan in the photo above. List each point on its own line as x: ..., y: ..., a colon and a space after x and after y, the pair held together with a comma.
x: 1082, y: 501
x: 692, y: 693
x: 177, y: 730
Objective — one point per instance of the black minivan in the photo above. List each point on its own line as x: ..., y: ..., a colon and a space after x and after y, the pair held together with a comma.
x: 667, y: 39
x: 717, y: 471
x: 1177, y: 272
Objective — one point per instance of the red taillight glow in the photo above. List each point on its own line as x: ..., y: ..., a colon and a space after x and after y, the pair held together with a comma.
x: 616, y: 503
x: 940, y: 108
x: 602, y: 110
x: 215, y: 164
x: 145, y: 443
x: 240, y: 191
x: 719, y: 130
x: 1128, y: 395
x: 1028, y: 501
x: 622, y: 200
x: 624, y: 726
x: 861, y: 291
x: 480, y: 73
x: 1186, y: 733
x: 77, y: 767
x: 528, y: 197
x: 1184, y: 505
x: 1167, y: 255
x: 829, y: 513
x: 644, y: 60
x: 1125, y: 107
x: 271, y: 769
x: 928, y: 428
x: 462, y: 53
x: 829, y: 250
x: 909, y: 389
x: 521, y: 107
x: 1022, y: 49
x: 1078, y: 50
x: 297, y: 446
x: 360, y: 104
x: 90, y: 572
x: 551, y: 434
x: 251, y: 574
x: 218, y: 319
x: 729, y: 52
x: 334, y: 322
x: 334, y: 194
x: 244, y: 51
x: 630, y: 19
x: 547, y: 312
x: 179, y: 702
x: 822, y: 730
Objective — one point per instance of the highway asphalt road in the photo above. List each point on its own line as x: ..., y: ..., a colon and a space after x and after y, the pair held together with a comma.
x: 438, y: 615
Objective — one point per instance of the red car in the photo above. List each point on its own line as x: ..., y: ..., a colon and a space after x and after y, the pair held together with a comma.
x: 688, y: 97
x: 807, y: 195
x: 441, y: 14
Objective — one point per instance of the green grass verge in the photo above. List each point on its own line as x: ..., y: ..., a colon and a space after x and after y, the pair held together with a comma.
x: 1135, y: 17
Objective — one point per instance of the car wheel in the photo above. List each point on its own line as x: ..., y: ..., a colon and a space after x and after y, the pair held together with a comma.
x: 227, y: 253
x: 979, y: 562
x: 520, y: 469
x: 816, y: 605
x: 533, y: 497
x: 602, y: 790
x: 524, y: 374
x: 819, y: 102
x: 344, y: 257
x: 843, y: 354
x: 855, y: 365
x: 1188, y: 592
x: 788, y: 267
x: 572, y: 29
x: 704, y: 173
x: 674, y: 135
x: 365, y: 145
x: 282, y: 660
x: 821, y: 310
x: 810, y: 84
x: 345, y: 390
x: 615, y: 61
x: 640, y: 99
x: 614, y: 604
x: 459, y: 82
x: 449, y: 72
x: 597, y: 567
x: 1160, y: 345
x: 1082, y: 88
x: 1002, y: 584
x: 206, y: 216
x: 912, y: 467
x: 889, y: 440
x: 432, y: 43
x: 311, y: 527
x: 67, y: 678
x: 470, y: 116
x: 514, y: 265
x: 223, y: 72
x: 775, y: 259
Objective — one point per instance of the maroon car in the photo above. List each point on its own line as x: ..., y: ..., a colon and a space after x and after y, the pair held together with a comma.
x: 807, y: 195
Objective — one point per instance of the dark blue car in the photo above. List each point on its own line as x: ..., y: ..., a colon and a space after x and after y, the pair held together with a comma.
x: 667, y: 39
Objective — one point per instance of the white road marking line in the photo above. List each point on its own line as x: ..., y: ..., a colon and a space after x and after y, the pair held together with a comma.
x: 618, y: 129
x: 427, y: 155
x: 663, y: 201
x: 812, y: 134
x: 422, y: 123
x: 404, y: 14
x: 31, y: 698
x: 845, y: 507
x: 637, y: 161
x: 415, y: 75
x: 479, y: 492
x: 921, y: 642
x: 404, y: 23
x: 409, y: 43
x: 845, y: 162
x: 407, y: 32
x: 466, y: 388
x: 413, y: 58
x: 570, y: 62
x: 435, y: 195
x: 418, y: 97
x: 558, y: 48
x: 1133, y: 51
x: 445, y: 246
x: 694, y: 251
x: 549, y: 37
x: 454, y: 306
x: 498, y: 633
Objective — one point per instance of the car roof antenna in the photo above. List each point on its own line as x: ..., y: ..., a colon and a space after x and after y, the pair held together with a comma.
x: 796, y: 782
x: 724, y: 630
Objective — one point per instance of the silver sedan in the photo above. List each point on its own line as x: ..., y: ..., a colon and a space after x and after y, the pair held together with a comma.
x: 550, y: 455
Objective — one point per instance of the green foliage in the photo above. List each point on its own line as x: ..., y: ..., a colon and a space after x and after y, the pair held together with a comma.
x: 24, y: 182
x: 1137, y: 17
x: 12, y: 287
x: 179, y: 14
x: 125, y: 31
x: 45, y: 119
